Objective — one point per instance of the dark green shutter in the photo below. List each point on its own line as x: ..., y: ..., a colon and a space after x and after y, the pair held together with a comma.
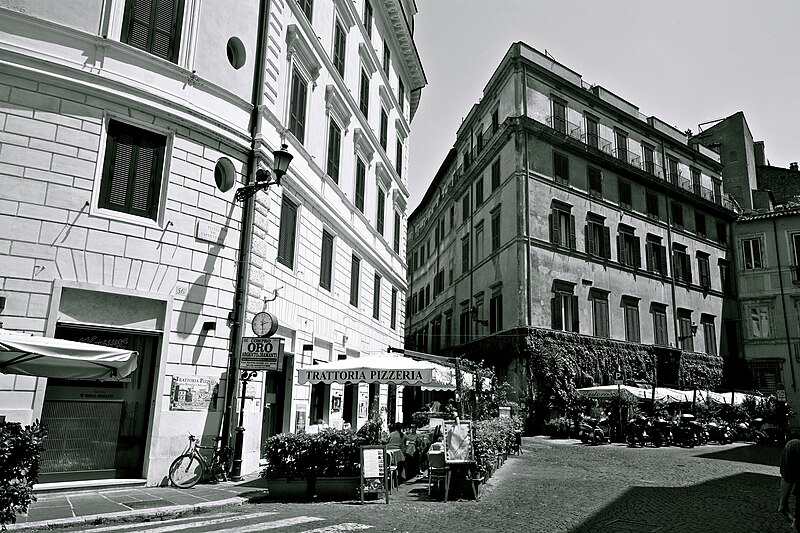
x: 154, y: 26
x: 326, y: 263
x: 287, y: 233
x: 297, y: 106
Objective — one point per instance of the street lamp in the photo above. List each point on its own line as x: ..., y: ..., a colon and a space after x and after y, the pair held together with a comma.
x: 694, y: 332
x: 281, y: 160
x: 244, y: 194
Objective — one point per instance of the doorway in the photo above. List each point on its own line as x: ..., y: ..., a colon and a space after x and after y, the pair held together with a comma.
x: 97, y: 429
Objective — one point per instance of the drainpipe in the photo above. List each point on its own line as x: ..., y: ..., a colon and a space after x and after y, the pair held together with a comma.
x: 239, y: 311
x: 525, y: 235
x: 783, y: 303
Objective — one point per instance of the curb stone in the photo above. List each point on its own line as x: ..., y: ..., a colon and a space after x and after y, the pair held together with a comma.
x: 153, y: 514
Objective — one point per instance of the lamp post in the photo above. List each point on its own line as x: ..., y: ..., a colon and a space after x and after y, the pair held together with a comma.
x: 263, y: 180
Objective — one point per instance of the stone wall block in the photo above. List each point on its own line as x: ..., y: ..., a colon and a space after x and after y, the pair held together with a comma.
x: 31, y: 128
x: 78, y: 138
x: 94, y: 268
x: 34, y: 100
x: 50, y: 146
x: 106, y: 242
x: 48, y: 176
x: 73, y: 166
x: 80, y: 111
x: 57, y: 118
x: 16, y: 267
x: 143, y: 249
x: 26, y: 157
x: 67, y: 197
x: 21, y: 229
x: 6, y: 137
x: 36, y: 251
x: 22, y: 190
x: 126, y: 229
x: 61, y: 92
x: 65, y: 235
x: 38, y: 305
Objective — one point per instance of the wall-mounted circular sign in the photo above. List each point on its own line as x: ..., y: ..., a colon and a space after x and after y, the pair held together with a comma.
x: 265, y: 324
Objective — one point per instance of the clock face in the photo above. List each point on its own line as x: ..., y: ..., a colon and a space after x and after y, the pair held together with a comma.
x: 264, y: 324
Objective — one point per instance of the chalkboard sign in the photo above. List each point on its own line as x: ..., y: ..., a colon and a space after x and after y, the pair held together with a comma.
x: 374, y: 474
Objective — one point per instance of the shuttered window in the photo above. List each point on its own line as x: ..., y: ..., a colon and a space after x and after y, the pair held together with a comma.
x: 361, y: 181
x: 132, y: 170
x: 396, y: 243
x: 393, y: 316
x: 297, y: 106
x: 287, y: 232
x: 154, y: 26
x: 355, y: 273
x: 326, y: 262
x: 376, y: 297
x: 380, y: 215
x: 334, y: 150
x: 339, y: 48
x: 363, y: 94
x: 660, y: 334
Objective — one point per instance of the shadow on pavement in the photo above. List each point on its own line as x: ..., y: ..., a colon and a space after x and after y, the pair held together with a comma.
x: 759, y: 454
x: 741, y: 503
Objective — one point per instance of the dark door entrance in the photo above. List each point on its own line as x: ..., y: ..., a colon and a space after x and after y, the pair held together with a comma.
x: 97, y: 429
x: 272, y: 413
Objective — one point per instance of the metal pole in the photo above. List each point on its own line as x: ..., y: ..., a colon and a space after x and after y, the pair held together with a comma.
x: 238, y: 447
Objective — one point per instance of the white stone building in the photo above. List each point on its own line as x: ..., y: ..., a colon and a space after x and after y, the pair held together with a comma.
x: 163, y: 93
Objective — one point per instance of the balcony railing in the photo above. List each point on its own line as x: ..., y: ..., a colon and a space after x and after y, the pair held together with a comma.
x: 707, y: 194
x: 685, y: 184
x: 565, y: 126
x: 653, y: 168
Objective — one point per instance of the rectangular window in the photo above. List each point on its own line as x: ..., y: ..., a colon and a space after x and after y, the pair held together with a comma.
x: 625, y: 196
x: 496, y: 175
x: 465, y: 208
x: 622, y: 145
x: 660, y: 331
x: 297, y: 106
x: 595, y: 181
x: 448, y: 329
x: 725, y: 280
x: 717, y: 190
x: 495, y: 121
x: 393, y: 310
x: 452, y: 216
x: 699, y: 223
x: 696, y: 182
x: 154, y: 26
x: 598, y: 237
x: 479, y: 242
x: 682, y: 264
x: 559, y: 116
x: 396, y: 243
x: 308, y: 8
x: 478, y: 191
x: 339, y: 47
x: 760, y: 322
x: 363, y: 94
x: 686, y: 336
x: 648, y: 155
x: 334, y: 150
x: 704, y: 270
x: 463, y: 324
x: 674, y: 171
x: 398, y: 162
x: 465, y: 254
x: 495, y: 230
x: 656, y: 255
x: 387, y: 58
x: 355, y: 274
x: 384, y: 131
x: 479, y: 140
x: 380, y: 215
x: 326, y: 261
x: 632, y: 329
x: 496, y: 312
x: 677, y: 215
x: 562, y: 225
x: 376, y: 297
x: 592, y: 132
x: 436, y: 333
x: 722, y: 232
x: 796, y: 256
x: 652, y: 206
x: 401, y: 94
x: 766, y: 375
x: 561, y: 168
x: 600, y: 314
x: 709, y: 334
x: 286, y: 233
x: 361, y: 183
x: 368, y: 17
x: 628, y: 247
x: 564, y: 306
x: 132, y: 170
x: 752, y: 257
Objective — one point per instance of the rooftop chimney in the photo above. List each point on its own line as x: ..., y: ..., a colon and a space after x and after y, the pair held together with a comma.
x: 793, y: 166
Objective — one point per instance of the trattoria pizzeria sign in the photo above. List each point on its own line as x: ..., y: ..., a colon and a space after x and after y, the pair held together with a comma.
x: 366, y: 375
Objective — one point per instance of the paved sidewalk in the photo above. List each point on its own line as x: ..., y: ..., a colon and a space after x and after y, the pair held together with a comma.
x: 72, y: 508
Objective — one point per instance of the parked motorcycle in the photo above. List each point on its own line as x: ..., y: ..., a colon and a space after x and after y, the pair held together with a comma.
x: 719, y: 433
x: 639, y: 431
x: 742, y: 432
x: 662, y: 433
x: 685, y: 432
x: 594, y: 431
x: 766, y: 433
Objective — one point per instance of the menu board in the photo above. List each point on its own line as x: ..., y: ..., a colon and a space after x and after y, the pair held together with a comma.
x: 374, y: 474
x: 458, y: 441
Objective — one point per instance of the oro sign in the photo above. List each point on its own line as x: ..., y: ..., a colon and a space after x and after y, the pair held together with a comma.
x: 260, y: 353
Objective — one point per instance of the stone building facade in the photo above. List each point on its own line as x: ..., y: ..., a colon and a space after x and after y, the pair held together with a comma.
x: 163, y: 94
x: 562, y: 207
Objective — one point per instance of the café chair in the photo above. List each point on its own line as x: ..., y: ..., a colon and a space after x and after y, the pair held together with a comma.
x: 438, y: 471
x: 393, y: 471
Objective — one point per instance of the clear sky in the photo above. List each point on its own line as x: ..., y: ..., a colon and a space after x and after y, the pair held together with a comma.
x: 684, y: 61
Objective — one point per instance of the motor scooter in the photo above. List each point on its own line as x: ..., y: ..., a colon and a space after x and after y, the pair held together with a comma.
x: 595, y: 431
x: 718, y: 433
x: 639, y: 431
x: 662, y: 433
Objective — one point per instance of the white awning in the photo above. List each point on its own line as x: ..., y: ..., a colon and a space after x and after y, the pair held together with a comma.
x: 30, y: 355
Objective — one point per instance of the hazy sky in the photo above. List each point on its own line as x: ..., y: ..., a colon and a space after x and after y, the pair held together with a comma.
x: 684, y: 61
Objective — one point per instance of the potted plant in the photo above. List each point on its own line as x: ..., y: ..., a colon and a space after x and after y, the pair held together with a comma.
x: 285, y: 472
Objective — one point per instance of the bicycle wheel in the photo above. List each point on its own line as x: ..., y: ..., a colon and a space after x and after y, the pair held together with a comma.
x: 185, y: 471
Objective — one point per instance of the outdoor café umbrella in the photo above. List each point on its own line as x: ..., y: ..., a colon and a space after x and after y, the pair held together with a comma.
x: 57, y: 358
x: 387, y: 369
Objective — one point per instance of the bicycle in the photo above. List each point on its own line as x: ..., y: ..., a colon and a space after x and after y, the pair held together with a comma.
x: 189, y: 467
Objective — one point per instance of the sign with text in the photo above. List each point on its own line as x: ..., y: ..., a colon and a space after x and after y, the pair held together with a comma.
x: 193, y: 393
x: 260, y: 354
x: 374, y: 474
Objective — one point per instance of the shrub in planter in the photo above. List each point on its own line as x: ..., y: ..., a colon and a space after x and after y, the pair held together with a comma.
x: 559, y: 428
x: 20, y: 450
x: 492, y: 438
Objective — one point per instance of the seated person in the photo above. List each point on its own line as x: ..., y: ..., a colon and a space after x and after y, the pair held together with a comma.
x: 395, y: 437
x: 410, y: 451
